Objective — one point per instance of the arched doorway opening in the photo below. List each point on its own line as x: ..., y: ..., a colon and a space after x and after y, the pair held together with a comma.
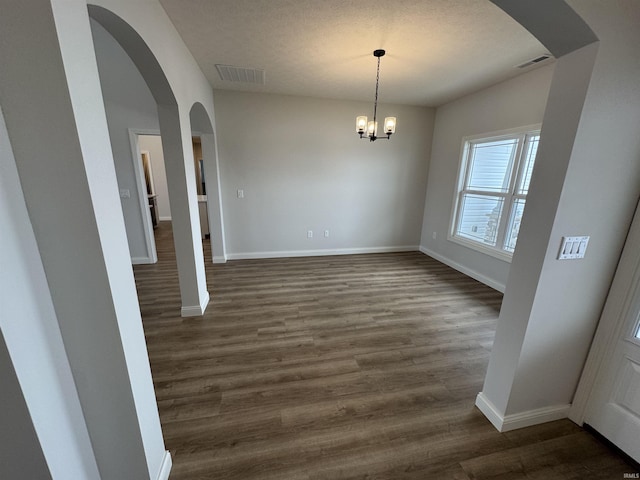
x: 176, y: 145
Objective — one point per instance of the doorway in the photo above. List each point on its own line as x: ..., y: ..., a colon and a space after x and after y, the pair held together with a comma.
x: 201, y: 186
x: 151, y: 178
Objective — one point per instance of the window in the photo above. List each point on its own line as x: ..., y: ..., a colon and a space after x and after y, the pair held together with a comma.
x: 492, y: 190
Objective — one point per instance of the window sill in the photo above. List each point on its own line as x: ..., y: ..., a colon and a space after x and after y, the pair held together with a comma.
x: 493, y: 252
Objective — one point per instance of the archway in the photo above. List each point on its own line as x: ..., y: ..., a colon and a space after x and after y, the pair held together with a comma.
x: 180, y: 174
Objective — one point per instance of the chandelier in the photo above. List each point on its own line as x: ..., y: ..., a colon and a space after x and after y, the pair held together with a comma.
x: 371, y: 128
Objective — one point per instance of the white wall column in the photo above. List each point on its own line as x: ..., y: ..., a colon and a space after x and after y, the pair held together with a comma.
x: 71, y: 194
x: 214, y: 198
x: 535, y: 249
x: 175, y: 130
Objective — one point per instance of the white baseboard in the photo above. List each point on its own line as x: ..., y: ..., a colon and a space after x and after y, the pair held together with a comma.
x: 506, y: 423
x: 165, y: 467
x: 467, y: 271
x: 164, y: 219
x: 535, y: 417
x: 196, y: 310
x: 490, y: 411
x: 319, y: 253
x: 219, y: 259
x: 141, y: 260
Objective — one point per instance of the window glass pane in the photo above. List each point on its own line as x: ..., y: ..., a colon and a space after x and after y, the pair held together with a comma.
x: 491, y: 164
x: 529, y: 159
x: 514, y: 224
x: 480, y: 217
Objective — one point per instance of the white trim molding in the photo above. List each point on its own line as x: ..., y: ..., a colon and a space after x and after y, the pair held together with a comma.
x: 141, y: 261
x: 535, y: 417
x: 219, y: 259
x: 319, y: 253
x: 506, y: 423
x: 165, y: 467
x: 196, y: 310
x: 478, y: 247
x: 143, y: 201
x: 467, y: 271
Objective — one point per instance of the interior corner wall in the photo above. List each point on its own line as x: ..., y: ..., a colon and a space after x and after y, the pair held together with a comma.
x: 516, y: 102
x: 301, y: 167
x: 128, y: 104
x: 153, y: 144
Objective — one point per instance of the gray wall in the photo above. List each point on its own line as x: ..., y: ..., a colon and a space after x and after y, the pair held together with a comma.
x: 129, y: 104
x: 516, y: 102
x: 21, y: 457
x: 302, y: 167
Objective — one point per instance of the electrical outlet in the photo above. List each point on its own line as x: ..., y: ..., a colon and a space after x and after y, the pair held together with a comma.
x: 326, y: 233
x: 240, y: 193
x: 309, y: 233
x: 434, y: 235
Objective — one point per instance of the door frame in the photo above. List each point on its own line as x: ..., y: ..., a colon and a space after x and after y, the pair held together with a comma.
x: 612, y: 321
x: 147, y: 224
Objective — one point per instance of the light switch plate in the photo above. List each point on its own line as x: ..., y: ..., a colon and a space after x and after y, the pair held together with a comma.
x: 573, y: 248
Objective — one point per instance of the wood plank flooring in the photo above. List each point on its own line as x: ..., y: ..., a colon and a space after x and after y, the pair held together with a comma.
x: 349, y: 367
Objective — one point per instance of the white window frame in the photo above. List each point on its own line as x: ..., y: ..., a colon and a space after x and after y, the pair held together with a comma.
x: 463, y: 171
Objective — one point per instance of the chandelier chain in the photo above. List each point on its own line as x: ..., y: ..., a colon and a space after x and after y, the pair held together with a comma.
x: 375, y: 104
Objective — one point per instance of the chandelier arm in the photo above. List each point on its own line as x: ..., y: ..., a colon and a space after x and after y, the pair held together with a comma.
x: 373, y: 138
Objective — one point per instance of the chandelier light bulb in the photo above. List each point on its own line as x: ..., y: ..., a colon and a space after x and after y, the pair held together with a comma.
x: 361, y: 124
x: 390, y: 125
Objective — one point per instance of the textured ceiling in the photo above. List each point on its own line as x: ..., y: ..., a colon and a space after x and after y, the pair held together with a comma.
x: 437, y: 50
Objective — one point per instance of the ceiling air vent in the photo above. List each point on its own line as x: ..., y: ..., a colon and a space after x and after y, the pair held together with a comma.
x: 230, y: 73
x: 539, y: 59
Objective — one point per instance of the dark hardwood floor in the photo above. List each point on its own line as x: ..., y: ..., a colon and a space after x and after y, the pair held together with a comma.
x: 349, y: 367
